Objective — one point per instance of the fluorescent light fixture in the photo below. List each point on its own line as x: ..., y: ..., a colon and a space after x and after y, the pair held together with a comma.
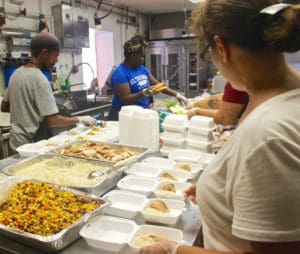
x: 196, y: 1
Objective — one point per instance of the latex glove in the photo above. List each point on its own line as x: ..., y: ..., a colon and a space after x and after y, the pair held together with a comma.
x: 182, y: 99
x: 87, y: 120
x: 192, y: 112
x: 147, y: 91
x: 163, y: 247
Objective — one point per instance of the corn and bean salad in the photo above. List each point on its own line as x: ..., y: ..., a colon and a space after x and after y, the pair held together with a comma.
x: 40, y: 209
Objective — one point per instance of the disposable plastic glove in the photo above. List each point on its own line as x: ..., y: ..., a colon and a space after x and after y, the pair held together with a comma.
x: 182, y: 99
x: 87, y: 120
x: 147, y: 91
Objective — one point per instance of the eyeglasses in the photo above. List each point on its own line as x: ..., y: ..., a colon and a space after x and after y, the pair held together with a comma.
x: 205, y: 54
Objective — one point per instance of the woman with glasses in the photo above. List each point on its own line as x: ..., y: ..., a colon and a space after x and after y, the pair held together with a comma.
x: 249, y: 195
x: 131, y: 80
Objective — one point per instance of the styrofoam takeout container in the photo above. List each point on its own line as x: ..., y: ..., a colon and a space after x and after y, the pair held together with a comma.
x: 137, y: 184
x: 187, y: 155
x: 176, y: 208
x: 30, y: 149
x: 181, y: 176
x: 196, y: 168
x: 171, y: 234
x: 180, y: 187
x: 166, y: 149
x: 202, y: 122
x: 143, y: 169
x: 173, y: 138
x: 113, y: 234
x: 124, y: 203
x: 108, y: 233
x: 159, y: 162
x: 203, y: 146
x: 128, y: 204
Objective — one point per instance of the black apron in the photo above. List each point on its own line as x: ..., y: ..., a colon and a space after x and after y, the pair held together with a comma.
x: 43, y: 132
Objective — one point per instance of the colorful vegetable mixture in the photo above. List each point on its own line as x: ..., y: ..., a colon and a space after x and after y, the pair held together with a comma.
x: 40, y: 209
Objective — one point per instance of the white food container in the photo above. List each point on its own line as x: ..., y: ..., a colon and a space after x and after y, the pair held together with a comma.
x: 163, y: 232
x: 159, y: 162
x: 176, y: 208
x: 142, y: 169
x: 124, y: 204
x: 181, y: 176
x: 174, y: 119
x: 173, y: 138
x: 196, y: 168
x: 202, y: 122
x: 31, y: 149
x: 137, y: 184
x: 128, y: 204
x: 174, y: 128
x: 113, y: 234
x: 203, y: 146
x: 166, y: 149
x: 180, y: 187
x: 176, y: 123
x: 108, y: 233
x: 186, y: 155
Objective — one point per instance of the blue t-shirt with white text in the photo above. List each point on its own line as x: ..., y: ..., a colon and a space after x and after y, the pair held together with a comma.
x: 138, y: 79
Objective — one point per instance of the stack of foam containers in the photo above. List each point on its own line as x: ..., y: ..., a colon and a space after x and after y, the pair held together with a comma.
x: 200, y: 131
x: 139, y: 127
x: 174, y: 135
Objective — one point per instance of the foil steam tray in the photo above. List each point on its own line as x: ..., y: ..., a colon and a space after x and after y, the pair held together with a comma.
x: 60, y: 240
x: 107, y: 182
x: 140, y: 152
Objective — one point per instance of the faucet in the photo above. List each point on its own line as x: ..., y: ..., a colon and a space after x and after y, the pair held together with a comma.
x: 74, y: 69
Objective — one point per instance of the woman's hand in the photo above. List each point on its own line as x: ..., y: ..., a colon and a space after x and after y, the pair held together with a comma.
x: 190, y: 113
x: 190, y: 193
x: 163, y: 247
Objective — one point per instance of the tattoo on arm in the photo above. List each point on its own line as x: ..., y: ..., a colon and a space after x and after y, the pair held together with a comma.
x: 213, y: 102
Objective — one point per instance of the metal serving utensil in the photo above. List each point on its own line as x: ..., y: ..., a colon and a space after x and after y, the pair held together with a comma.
x: 95, y: 173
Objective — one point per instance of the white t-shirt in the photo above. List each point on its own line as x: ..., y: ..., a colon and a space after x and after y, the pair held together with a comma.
x: 30, y: 97
x: 251, y: 190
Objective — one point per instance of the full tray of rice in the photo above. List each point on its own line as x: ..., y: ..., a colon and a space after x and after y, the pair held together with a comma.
x: 68, y: 171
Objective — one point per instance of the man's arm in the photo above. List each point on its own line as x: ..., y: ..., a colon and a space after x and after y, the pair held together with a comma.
x: 5, y: 106
x: 60, y: 121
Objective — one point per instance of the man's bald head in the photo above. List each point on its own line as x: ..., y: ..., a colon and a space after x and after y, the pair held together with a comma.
x: 42, y: 41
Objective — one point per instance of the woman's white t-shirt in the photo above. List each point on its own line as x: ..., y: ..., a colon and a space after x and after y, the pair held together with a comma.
x: 251, y: 190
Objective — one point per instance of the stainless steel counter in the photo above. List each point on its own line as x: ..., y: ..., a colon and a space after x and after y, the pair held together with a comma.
x: 189, y: 223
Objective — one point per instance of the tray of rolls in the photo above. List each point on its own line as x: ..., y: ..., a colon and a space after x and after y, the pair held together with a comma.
x: 68, y: 171
x: 102, y: 151
x: 43, y: 215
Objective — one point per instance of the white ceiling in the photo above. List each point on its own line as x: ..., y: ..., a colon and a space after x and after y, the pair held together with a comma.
x: 157, y: 6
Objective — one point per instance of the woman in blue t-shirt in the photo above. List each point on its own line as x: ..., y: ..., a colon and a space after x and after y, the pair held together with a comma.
x: 131, y: 80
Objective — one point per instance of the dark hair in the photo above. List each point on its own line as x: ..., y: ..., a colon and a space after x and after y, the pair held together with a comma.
x: 242, y: 23
x: 42, y: 41
x: 136, y: 44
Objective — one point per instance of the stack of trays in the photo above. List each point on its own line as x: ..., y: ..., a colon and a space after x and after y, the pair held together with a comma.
x: 200, y: 133
x: 173, y: 137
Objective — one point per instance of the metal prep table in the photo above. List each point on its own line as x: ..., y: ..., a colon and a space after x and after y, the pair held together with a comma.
x: 189, y: 223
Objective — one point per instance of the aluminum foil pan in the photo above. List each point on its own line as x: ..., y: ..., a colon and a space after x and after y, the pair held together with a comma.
x: 107, y: 182
x: 60, y: 240
x: 139, y: 152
